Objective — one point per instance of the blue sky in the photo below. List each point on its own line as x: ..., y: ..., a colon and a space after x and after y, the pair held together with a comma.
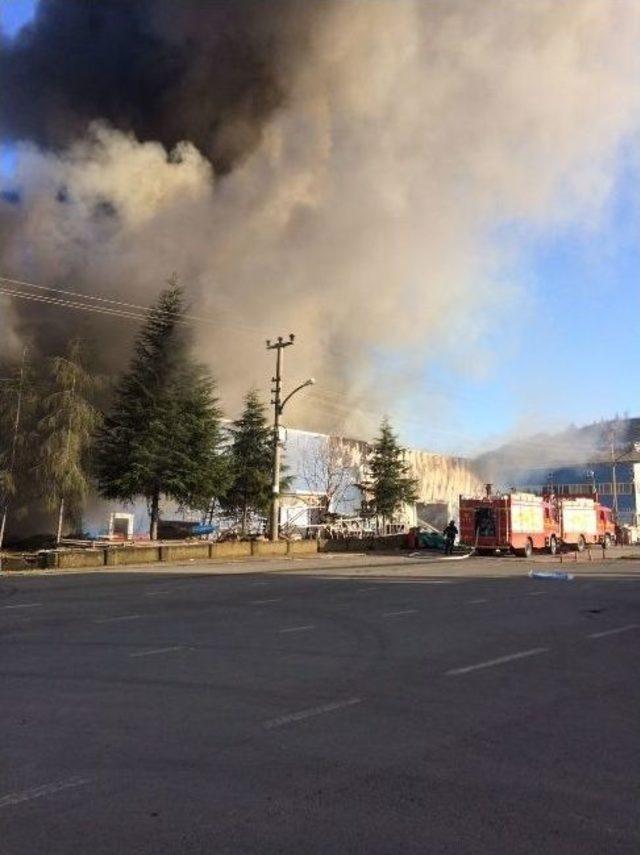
x: 570, y: 354
x: 15, y: 13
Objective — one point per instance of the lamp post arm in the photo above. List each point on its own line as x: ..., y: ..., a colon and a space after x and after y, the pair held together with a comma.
x: 297, y: 389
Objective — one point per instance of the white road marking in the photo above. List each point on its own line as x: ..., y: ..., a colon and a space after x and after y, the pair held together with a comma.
x: 537, y: 593
x: 157, y: 593
x: 153, y: 652
x: 264, y: 602
x: 254, y: 584
x: 626, y: 628
x: 473, y: 602
x: 24, y: 606
x: 44, y: 790
x: 400, y: 612
x: 120, y: 617
x: 523, y: 654
x: 298, y: 628
x: 366, y: 590
x: 310, y: 713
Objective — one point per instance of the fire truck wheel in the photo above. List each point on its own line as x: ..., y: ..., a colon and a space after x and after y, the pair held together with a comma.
x: 607, y: 541
x: 581, y: 545
x: 553, y: 545
x: 528, y: 548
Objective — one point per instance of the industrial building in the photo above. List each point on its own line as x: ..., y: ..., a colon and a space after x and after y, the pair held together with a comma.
x: 603, y: 459
x: 617, y: 483
x: 327, y: 474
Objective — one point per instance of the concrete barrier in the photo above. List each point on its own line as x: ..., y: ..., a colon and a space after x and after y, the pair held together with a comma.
x: 114, y: 556
x: 79, y: 558
x: 230, y: 549
x: 263, y: 548
x: 302, y: 547
x: 184, y: 551
x: 390, y: 541
x: 364, y: 544
x: 124, y: 555
x: 332, y: 545
x: 47, y: 558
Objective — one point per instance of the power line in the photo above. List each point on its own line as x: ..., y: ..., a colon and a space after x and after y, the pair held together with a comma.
x: 120, y: 307
x: 82, y: 295
x: 37, y: 298
x: 198, y: 319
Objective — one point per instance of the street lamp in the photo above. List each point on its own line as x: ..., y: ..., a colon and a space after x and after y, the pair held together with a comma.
x: 278, y: 406
x: 310, y: 382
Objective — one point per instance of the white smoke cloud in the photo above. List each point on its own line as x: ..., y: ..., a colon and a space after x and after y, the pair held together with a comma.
x: 363, y: 221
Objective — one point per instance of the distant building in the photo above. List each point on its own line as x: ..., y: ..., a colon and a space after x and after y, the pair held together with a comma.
x: 616, y: 484
x: 329, y: 473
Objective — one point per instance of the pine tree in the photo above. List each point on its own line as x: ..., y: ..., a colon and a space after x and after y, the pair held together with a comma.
x: 250, y: 462
x: 163, y: 437
x: 391, y: 483
x: 66, y: 432
x: 22, y: 391
x: 18, y: 401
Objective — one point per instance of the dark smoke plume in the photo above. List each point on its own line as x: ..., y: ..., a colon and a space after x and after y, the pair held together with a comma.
x: 166, y: 70
x: 340, y: 169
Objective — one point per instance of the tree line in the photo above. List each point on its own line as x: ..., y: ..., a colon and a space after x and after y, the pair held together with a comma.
x: 162, y: 436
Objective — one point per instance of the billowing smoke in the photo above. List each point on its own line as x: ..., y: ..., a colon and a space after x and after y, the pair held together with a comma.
x: 165, y: 70
x: 338, y: 169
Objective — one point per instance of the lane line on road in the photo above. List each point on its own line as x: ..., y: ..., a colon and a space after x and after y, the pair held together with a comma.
x: 44, y: 790
x: 473, y: 602
x: 24, y: 606
x: 265, y: 602
x: 156, y: 650
x: 537, y: 593
x: 157, y: 593
x: 615, y: 631
x: 120, y: 617
x: 400, y: 612
x: 19, y: 636
x: 310, y: 713
x: 501, y: 660
x: 298, y: 628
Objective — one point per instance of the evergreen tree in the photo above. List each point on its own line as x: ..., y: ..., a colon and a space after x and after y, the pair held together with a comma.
x: 162, y: 437
x: 391, y: 482
x: 18, y: 408
x: 251, y: 460
x: 66, y: 432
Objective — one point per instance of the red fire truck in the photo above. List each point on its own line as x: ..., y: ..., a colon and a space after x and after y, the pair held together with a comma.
x: 522, y: 522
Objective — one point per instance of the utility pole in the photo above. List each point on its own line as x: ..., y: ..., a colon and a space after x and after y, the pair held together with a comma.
x: 14, y: 445
x: 279, y: 345
x: 612, y: 438
x: 278, y: 407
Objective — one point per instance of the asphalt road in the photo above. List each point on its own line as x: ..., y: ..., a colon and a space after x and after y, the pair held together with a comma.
x: 302, y: 713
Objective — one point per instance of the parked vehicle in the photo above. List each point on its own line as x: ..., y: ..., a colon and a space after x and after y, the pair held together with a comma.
x: 585, y: 521
x: 521, y: 522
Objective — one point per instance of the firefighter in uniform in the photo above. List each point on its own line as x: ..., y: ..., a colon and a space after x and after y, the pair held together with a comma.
x: 450, y: 533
